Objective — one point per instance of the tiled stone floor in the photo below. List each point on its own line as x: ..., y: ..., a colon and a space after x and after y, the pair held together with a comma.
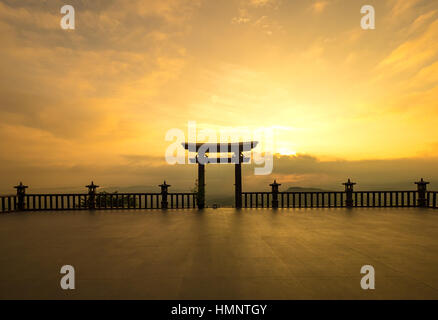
x: 221, y: 254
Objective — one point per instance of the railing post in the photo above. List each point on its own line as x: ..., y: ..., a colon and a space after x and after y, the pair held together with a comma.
x: 421, y: 188
x: 21, y: 193
x: 164, y: 188
x: 274, y: 187
x: 92, y: 195
x: 349, y: 193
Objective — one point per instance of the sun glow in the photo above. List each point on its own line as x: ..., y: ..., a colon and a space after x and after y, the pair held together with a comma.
x: 286, y: 152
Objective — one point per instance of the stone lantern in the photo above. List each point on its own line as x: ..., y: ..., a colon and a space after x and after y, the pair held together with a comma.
x: 21, y: 193
x: 164, y: 188
x: 92, y: 195
x: 349, y: 193
x: 421, y: 189
x: 274, y: 187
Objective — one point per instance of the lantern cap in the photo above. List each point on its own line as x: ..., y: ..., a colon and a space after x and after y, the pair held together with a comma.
x: 165, y: 185
x: 92, y: 185
x: 422, y: 182
x: 275, y: 183
x: 20, y: 186
x: 349, y: 183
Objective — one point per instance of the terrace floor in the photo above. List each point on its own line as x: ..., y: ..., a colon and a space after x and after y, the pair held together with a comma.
x: 221, y: 254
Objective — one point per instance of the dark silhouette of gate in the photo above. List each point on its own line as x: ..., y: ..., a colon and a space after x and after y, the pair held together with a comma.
x: 203, y: 149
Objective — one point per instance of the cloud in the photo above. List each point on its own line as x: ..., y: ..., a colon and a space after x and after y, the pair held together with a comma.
x: 299, y: 170
x: 400, y: 7
x: 319, y: 6
x: 256, y: 13
x: 421, y: 21
x: 414, y: 53
x: 263, y: 3
x: 76, y: 101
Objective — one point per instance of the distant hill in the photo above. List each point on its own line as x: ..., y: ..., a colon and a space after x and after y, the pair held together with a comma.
x: 228, y: 200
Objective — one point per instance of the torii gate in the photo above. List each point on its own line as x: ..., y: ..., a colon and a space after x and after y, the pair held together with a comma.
x: 202, y: 149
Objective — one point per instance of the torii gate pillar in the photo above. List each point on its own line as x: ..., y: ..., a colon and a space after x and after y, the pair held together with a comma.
x: 238, y: 183
x: 201, y: 186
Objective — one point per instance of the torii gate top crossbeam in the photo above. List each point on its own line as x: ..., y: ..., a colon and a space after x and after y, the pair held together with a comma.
x: 221, y: 147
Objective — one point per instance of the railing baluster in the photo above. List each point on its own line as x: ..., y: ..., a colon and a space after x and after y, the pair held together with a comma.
x: 187, y: 200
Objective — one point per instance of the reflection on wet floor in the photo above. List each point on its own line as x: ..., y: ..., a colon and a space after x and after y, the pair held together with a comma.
x: 221, y: 254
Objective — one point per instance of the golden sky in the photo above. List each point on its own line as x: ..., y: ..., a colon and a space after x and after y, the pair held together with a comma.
x: 80, y: 103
